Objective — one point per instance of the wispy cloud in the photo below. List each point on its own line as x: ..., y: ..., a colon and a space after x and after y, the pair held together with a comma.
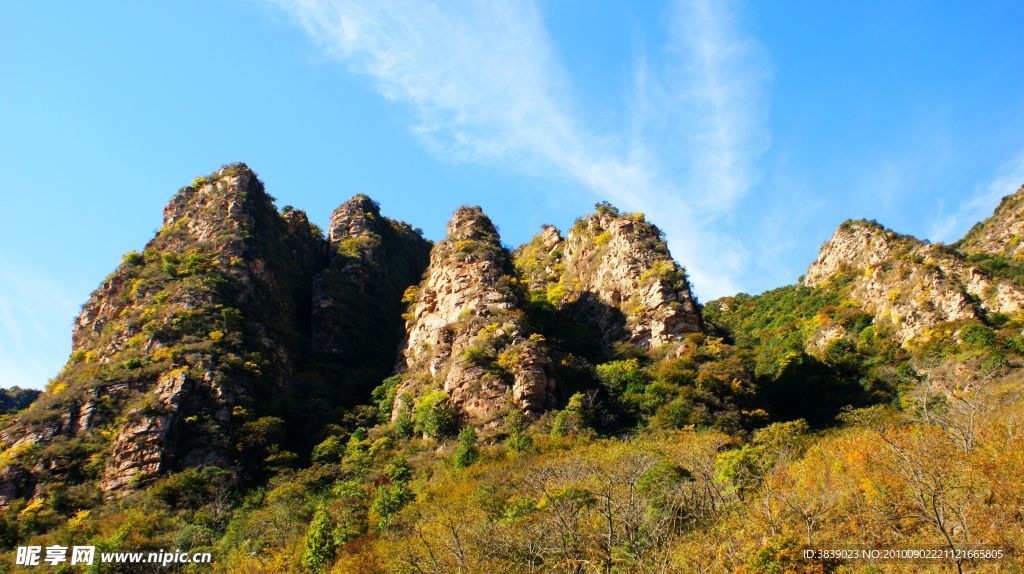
x: 30, y: 353
x: 950, y: 227
x: 487, y: 85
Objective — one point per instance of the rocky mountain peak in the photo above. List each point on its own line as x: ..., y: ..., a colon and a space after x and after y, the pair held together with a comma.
x: 204, y: 333
x: 539, y: 261
x: 372, y: 261
x: 856, y: 244
x: 470, y: 224
x: 614, y: 271
x: 230, y: 197
x: 1000, y: 234
x: 357, y: 216
x: 467, y: 335
x: 907, y: 283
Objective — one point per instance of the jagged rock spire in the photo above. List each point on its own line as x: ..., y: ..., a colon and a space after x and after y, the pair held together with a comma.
x: 357, y: 321
x: 467, y: 334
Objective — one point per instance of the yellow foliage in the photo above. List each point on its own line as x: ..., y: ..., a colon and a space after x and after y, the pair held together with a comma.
x: 509, y: 359
x: 411, y: 294
x: 182, y: 370
x: 7, y: 456
x: 555, y: 293
x: 136, y: 284
x: 713, y: 346
x: 465, y: 245
x: 31, y: 508
x: 79, y: 517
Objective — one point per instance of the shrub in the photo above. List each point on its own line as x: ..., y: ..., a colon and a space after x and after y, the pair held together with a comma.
x: 573, y: 418
x: 330, y: 450
x: 621, y: 376
x: 404, y: 423
x: 384, y: 396
x: 978, y: 336
x: 132, y: 259
x: 169, y: 264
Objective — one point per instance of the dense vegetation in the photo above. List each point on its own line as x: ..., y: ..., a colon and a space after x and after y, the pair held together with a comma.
x: 657, y: 463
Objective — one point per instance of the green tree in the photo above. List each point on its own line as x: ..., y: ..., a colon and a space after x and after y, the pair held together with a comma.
x: 390, y: 500
x: 466, y: 453
x: 405, y: 426
x: 330, y: 450
x: 319, y: 543
x: 518, y: 437
x: 384, y: 396
x: 573, y: 418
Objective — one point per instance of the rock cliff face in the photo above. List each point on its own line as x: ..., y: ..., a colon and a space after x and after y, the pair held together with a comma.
x: 1000, y: 234
x: 177, y: 340
x: 614, y: 271
x: 373, y: 260
x: 908, y: 283
x: 467, y: 334
x: 201, y: 349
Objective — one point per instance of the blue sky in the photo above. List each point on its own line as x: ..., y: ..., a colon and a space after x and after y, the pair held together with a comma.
x: 747, y: 131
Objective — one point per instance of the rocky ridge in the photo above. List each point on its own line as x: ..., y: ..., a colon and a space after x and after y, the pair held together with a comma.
x: 197, y: 351
x: 910, y: 284
x: 240, y: 332
x: 1001, y: 233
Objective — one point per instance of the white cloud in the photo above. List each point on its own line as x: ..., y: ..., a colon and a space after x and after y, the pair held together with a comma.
x: 487, y: 86
x: 950, y: 227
